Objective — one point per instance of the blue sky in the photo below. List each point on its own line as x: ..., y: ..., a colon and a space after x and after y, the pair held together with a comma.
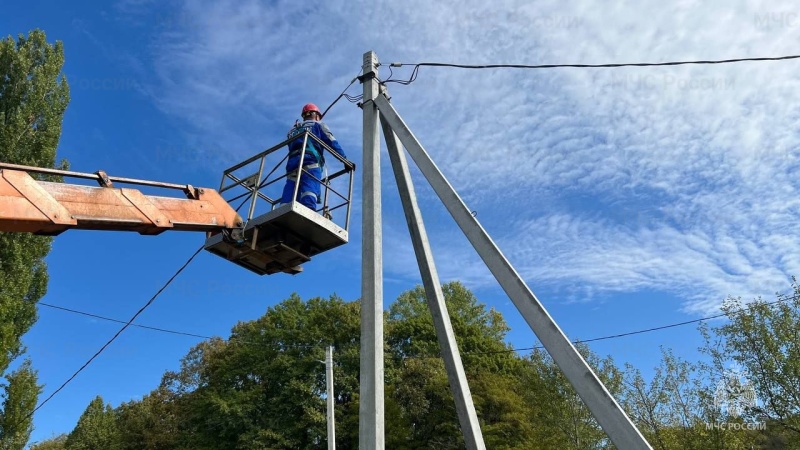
x: 626, y: 198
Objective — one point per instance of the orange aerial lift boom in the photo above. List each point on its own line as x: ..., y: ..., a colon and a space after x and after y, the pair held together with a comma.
x: 279, y: 240
x: 31, y: 205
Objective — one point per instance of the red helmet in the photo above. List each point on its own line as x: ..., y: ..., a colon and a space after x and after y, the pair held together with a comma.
x: 310, y: 108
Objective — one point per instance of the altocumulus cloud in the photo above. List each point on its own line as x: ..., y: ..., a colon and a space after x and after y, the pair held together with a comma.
x: 676, y: 179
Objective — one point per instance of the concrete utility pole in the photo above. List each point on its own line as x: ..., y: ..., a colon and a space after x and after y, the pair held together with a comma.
x: 329, y: 393
x: 605, y: 409
x: 467, y: 417
x: 370, y: 412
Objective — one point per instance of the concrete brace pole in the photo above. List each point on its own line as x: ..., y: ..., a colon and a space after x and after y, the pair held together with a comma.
x: 605, y: 409
x: 467, y: 417
x: 329, y: 393
x: 370, y: 413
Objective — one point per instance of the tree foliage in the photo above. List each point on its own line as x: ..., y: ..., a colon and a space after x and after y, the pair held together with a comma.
x: 33, y: 98
x: 19, y: 399
x: 762, y: 339
x: 264, y: 387
x: 676, y: 408
x: 562, y: 418
x: 424, y: 415
x: 150, y: 423
x: 96, y: 430
x: 54, y: 443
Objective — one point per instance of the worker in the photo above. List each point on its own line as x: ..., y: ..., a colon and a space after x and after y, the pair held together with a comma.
x: 314, y: 160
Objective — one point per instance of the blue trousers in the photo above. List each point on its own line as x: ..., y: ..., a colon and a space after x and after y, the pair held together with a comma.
x: 309, y: 193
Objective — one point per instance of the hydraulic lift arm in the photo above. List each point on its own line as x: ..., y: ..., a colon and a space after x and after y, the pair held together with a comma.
x: 49, y: 208
x: 277, y: 236
x: 281, y: 240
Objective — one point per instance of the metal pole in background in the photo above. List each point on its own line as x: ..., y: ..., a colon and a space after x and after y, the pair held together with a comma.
x: 605, y: 409
x: 370, y: 410
x: 467, y: 417
x: 329, y: 393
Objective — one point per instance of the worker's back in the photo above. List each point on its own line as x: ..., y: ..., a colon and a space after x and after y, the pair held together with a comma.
x: 318, y: 129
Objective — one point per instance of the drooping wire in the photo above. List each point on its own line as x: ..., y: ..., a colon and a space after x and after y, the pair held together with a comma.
x: 410, y: 80
x: 632, y: 333
x: 161, y: 330
x: 127, y: 324
x: 354, y: 98
x: 614, y: 336
x: 415, y: 72
x: 109, y: 319
x: 539, y: 347
x: 166, y: 330
x: 343, y: 94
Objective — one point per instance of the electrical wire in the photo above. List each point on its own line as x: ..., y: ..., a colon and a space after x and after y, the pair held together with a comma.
x: 415, y: 72
x: 647, y: 330
x: 146, y: 327
x: 631, y: 333
x: 539, y: 347
x: 603, y: 338
x: 163, y: 330
x: 343, y: 94
x: 410, y: 80
x: 127, y: 324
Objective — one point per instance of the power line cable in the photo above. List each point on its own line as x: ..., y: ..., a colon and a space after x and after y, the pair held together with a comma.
x: 96, y: 316
x: 343, y: 94
x: 602, y: 338
x: 597, y: 66
x: 647, y: 330
x: 127, y: 324
x: 415, y: 72
x: 164, y: 330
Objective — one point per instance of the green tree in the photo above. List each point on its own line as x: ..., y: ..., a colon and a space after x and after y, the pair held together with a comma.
x: 19, y: 399
x: 421, y: 413
x: 565, y: 421
x: 674, y: 409
x: 96, y: 429
x: 263, y: 388
x: 33, y: 97
x: 763, y: 339
x: 54, y: 443
x: 505, y: 416
x: 427, y: 415
x: 480, y: 332
x: 149, y: 424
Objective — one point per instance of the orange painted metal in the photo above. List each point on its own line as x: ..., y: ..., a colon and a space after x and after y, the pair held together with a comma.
x: 41, y: 207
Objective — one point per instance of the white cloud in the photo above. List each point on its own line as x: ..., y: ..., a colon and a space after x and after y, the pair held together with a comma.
x: 678, y: 179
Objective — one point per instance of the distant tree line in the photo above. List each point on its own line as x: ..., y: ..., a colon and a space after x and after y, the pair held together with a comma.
x: 264, y: 386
